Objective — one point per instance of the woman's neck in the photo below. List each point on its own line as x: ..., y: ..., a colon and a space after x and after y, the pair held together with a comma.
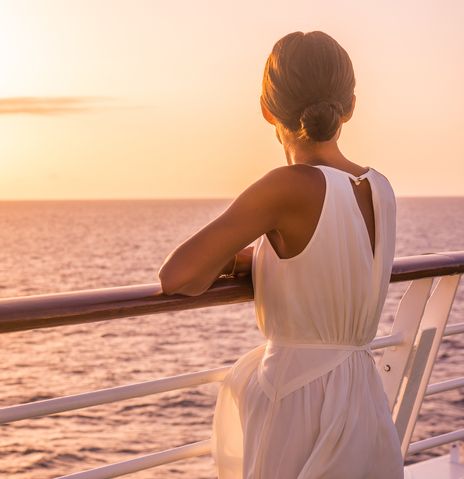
x: 318, y: 153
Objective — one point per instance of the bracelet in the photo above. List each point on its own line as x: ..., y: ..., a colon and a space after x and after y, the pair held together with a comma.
x: 235, y: 264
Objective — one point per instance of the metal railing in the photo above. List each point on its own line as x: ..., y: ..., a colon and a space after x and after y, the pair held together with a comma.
x: 405, y: 366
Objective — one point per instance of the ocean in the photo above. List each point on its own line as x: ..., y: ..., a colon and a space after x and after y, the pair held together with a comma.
x: 55, y: 246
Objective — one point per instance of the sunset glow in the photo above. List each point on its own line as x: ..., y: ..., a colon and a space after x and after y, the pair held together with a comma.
x: 152, y: 99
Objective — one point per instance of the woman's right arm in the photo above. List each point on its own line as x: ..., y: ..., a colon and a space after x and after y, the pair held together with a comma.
x: 193, y: 266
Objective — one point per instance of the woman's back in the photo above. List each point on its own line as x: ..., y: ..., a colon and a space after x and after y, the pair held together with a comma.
x: 334, y: 289
x: 309, y: 403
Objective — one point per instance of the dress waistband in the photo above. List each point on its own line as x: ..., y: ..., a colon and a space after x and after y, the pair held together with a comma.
x: 348, y: 347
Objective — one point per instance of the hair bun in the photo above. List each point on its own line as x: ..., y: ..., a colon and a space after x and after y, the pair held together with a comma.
x: 319, y: 121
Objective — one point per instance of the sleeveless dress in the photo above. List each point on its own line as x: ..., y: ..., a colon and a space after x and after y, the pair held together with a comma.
x: 309, y: 403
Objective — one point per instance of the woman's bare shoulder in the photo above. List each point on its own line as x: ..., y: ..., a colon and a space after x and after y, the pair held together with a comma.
x: 289, y: 176
x: 299, y: 181
x: 292, y: 186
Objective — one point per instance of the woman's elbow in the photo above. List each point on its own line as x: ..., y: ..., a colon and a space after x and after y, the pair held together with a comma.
x: 170, y: 284
x: 167, y: 286
x: 168, y: 281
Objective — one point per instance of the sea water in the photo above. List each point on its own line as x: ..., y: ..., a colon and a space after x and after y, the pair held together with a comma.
x: 55, y: 246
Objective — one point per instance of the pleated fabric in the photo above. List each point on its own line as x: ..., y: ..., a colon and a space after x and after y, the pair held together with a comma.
x: 309, y: 402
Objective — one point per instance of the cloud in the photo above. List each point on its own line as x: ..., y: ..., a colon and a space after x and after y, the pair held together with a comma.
x: 49, y: 105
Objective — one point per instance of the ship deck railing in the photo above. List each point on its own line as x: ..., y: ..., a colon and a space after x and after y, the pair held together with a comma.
x: 409, y: 353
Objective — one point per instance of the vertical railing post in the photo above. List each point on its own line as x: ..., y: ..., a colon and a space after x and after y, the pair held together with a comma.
x: 420, y: 366
x: 394, y: 360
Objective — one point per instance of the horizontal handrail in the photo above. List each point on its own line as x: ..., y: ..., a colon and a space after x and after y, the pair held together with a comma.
x: 204, y: 447
x: 427, y: 265
x: 435, y: 441
x: 129, y: 391
x: 140, y: 463
x: 91, y: 305
x: 455, y: 328
x: 109, y: 395
x: 444, y: 386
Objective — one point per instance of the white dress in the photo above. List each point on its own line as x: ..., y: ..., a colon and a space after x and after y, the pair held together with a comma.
x: 309, y: 403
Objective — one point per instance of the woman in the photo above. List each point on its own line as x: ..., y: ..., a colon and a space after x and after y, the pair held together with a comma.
x: 309, y: 403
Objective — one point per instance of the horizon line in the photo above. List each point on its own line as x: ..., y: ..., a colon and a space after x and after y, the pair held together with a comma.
x: 156, y: 198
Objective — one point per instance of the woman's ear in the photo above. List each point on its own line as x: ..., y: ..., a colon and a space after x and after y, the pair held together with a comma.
x: 266, y: 113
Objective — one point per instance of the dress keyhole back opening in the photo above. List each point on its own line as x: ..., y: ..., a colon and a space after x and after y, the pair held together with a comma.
x: 363, y: 214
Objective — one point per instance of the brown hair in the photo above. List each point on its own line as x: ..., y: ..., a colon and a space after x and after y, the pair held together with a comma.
x: 308, y: 84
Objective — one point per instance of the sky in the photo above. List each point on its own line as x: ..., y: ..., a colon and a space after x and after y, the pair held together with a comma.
x: 108, y: 99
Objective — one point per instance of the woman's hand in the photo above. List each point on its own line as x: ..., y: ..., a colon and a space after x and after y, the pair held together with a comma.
x: 243, y: 265
x: 244, y: 260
